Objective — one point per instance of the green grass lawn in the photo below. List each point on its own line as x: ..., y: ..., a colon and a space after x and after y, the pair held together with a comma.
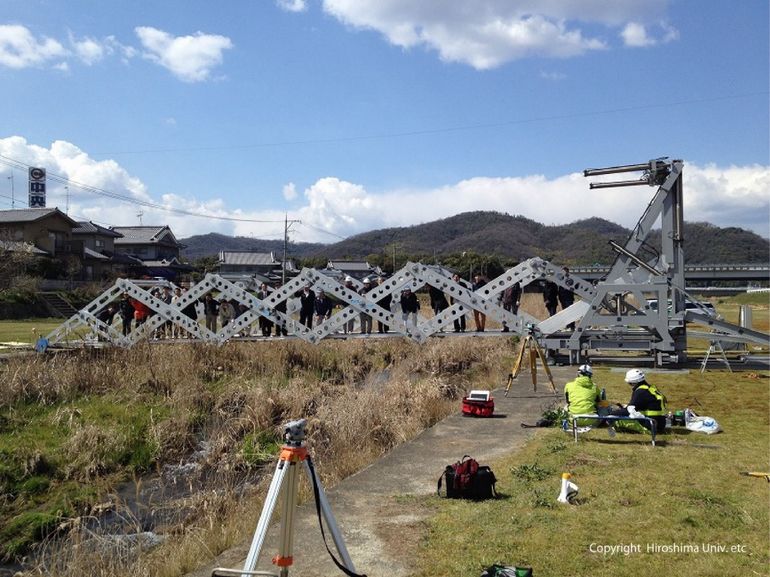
x: 641, y: 510
x: 27, y: 330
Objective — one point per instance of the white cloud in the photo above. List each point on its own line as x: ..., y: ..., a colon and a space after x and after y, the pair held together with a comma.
x: 722, y: 195
x: 669, y: 33
x: 552, y: 75
x: 488, y: 33
x: 289, y: 191
x: 189, y: 58
x: 635, y: 35
x: 20, y: 49
x: 67, y: 160
x: 112, y: 45
x: 292, y: 5
x: 88, y: 50
x: 729, y: 196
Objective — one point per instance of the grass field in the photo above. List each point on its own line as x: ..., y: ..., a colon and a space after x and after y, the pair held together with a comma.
x: 26, y: 330
x: 72, y: 424
x: 681, y: 508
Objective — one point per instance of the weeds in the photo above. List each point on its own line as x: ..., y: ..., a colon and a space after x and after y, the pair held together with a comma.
x: 97, y: 419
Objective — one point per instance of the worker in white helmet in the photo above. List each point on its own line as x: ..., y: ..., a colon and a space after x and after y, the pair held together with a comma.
x: 645, y: 399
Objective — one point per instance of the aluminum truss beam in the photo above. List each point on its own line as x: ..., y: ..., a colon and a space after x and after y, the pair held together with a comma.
x: 352, y: 304
x: 612, y: 314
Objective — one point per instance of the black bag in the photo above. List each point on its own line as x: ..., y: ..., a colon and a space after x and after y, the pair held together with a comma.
x: 466, y: 479
x: 507, y: 571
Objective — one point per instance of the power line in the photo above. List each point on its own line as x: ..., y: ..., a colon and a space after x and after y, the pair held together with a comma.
x: 109, y: 194
x: 440, y: 130
x: 321, y: 230
x: 13, y: 163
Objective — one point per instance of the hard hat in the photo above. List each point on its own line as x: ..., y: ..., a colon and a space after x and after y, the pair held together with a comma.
x: 348, y: 279
x: 585, y: 370
x: 634, y: 376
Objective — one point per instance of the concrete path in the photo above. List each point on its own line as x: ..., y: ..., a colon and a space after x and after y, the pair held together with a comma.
x: 380, y: 527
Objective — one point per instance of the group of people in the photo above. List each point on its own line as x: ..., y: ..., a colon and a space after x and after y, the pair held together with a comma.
x: 134, y: 313
x: 583, y: 398
x: 316, y: 307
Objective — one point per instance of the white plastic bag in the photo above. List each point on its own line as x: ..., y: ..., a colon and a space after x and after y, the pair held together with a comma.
x: 700, y: 424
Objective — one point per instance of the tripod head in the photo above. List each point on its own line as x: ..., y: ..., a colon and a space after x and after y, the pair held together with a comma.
x: 294, y: 432
x: 531, y: 329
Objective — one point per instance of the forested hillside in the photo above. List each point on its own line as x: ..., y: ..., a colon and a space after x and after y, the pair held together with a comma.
x: 511, y: 238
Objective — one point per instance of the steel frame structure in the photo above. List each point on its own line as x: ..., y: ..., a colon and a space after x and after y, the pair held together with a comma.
x: 612, y: 314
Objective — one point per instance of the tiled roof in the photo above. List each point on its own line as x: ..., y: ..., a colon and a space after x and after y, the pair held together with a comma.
x: 94, y: 255
x: 30, y: 214
x: 246, y: 258
x: 350, y: 265
x: 88, y: 227
x: 146, y: 235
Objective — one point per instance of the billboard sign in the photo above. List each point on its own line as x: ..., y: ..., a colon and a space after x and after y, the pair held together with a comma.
x: 36, y: 187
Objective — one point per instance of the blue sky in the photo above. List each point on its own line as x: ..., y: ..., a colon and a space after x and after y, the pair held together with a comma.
x: 351, y: 115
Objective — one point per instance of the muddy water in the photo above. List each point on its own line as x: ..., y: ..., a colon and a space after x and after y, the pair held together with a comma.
x: 138, y: 515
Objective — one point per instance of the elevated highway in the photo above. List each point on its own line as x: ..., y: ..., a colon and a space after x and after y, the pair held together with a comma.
x: 695, y: 272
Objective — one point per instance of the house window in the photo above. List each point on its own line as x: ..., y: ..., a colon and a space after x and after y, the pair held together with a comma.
x: 99, y: 243
x: 58, y: 240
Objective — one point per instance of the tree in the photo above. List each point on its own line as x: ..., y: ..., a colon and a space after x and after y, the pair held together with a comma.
x: 15, y: 259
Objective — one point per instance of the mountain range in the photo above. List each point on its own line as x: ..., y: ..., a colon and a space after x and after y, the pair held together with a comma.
x: 511, y: 238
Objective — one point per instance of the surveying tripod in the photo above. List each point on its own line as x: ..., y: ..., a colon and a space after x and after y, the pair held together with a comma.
x: 530, y: 346
x: 286, y: 480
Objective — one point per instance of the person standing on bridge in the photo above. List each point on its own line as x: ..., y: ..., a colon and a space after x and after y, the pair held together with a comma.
x: 265, y: 324
x: 459, y: 322
x: 384, y: 302
x: 409, y: 307
x: 126, y: 311
x: 364, y: 318
x: 211, y: 312
x: 307, y: 307
x: 323, y: 308
x: 550, y: 297
x: 351, y: 323
x: 438, y: 301
x: 479, y: 318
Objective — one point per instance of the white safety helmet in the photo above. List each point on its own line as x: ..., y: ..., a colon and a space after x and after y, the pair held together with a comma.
x: 585, y: 370
x: 634, y: 376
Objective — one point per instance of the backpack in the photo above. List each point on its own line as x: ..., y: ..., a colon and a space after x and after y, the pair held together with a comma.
x: 466, y: 479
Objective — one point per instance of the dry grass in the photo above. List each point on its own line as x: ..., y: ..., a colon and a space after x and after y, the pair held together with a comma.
x: 164, y: 401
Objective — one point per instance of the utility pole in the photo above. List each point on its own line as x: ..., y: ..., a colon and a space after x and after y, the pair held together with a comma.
x: 67, y: 193
x: 140, y: 214
x: 286, y: 224
x: 13, y: 201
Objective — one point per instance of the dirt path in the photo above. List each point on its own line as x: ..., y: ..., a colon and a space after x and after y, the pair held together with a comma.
x: 380, y: 525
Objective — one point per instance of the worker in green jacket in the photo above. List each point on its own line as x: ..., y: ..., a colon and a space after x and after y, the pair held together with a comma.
x: 582, y: 395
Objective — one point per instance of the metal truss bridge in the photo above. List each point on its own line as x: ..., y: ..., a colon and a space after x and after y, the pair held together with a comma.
x: 613, y: 314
